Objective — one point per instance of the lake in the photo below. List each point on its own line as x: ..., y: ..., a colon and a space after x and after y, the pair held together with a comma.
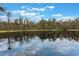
x: 39, y: 44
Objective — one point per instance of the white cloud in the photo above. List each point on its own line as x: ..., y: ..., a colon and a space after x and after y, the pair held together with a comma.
x: 51, y: 7
x: 29, y: 9
x: 38, y: 9
x: 61, y: 17
x: 30, y: 14
x: 4, y: 18
x: 38, y: 17
x: 57, y: 15
x: 33, y: 15
x: 66, y: 18
x: 23, y: 13
x: 18, y: 12
x: 23, y: 7
x: 15, y: 11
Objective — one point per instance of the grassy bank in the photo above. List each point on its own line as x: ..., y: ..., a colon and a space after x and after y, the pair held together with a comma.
x: 4, y: 31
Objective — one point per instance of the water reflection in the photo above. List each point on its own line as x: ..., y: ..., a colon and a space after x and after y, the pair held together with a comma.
x: 39, y: 43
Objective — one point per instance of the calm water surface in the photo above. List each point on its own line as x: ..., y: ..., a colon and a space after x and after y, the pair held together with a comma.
x: 39, y: 44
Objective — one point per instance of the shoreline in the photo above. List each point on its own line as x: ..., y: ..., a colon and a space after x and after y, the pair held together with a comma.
x: 5, y: 31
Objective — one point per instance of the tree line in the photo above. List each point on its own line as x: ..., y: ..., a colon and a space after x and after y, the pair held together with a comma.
x: 27, y: 24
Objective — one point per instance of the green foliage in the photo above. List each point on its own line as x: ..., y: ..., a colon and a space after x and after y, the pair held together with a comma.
x: 20, y: 24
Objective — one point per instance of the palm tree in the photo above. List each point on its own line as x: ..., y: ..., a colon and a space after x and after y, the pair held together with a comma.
x: 8, y: 19
x: 2, y: 9
x: 8, y: 14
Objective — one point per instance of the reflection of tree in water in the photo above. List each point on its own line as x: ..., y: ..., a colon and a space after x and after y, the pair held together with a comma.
x: 9, y: 41
x: 48, y: 35
x: 22, y: 37
x: 26, y: 37
x: 9, y: 44
x: 53, y: 35
x: 43, y: 35
x: 20, y: 40
x: 16, y: 36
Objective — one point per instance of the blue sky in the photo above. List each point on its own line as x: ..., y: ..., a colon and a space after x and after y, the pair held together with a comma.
x: 46, y: 10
